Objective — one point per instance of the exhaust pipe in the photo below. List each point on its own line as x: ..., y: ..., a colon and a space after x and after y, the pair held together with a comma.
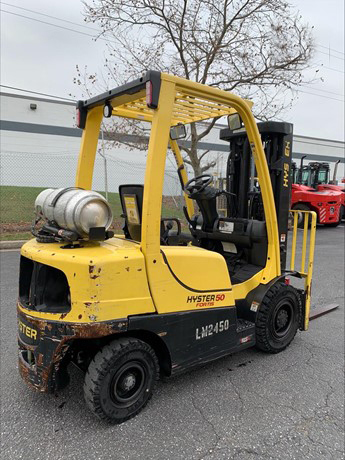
x: 334, y: 180
x: 300, y: 169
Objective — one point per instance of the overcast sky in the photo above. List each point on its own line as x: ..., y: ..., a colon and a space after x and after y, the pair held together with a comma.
x: 40, y: 57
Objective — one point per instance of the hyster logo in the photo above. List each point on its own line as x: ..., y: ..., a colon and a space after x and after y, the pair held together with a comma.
x: 205, y: 300
x: 286, y: 175
x: 28, y: 331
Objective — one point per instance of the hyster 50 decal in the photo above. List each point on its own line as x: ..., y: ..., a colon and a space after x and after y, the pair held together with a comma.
x: 206, y: 300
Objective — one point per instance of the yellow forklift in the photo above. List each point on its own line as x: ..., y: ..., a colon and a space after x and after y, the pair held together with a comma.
x: 154, y: 300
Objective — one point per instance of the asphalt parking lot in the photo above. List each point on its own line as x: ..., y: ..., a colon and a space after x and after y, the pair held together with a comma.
x: 245, y: 406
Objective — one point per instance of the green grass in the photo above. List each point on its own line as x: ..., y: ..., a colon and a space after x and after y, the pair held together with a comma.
x: 15, y: 236
x: 17, y: 203
x: 17, y: 210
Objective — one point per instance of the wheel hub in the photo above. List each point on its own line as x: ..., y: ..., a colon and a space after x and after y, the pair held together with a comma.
x: 128, y: 382
x: 282, y: 319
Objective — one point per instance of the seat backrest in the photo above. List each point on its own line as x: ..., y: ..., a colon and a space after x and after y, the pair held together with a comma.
x: 131, y: 197
x: 248, y: 235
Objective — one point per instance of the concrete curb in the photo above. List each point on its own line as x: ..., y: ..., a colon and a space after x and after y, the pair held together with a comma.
x: 12, y: 244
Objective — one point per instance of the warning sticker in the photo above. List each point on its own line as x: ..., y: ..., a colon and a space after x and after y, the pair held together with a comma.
x: 226, y: 227
x: 254, y: 306
x: 131, y: 209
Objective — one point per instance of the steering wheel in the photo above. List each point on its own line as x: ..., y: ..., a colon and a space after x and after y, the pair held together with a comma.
x: 197, y: 185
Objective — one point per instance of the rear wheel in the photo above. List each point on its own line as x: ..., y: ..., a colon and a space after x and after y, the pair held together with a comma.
x: 120, y: 379
x: 277, y: 320
x: 301, y: 216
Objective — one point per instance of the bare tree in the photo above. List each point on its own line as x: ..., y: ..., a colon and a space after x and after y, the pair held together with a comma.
x: 256, y: 48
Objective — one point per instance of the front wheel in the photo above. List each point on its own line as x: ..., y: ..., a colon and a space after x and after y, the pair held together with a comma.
x: 120, y: 379
x: 278, y: 318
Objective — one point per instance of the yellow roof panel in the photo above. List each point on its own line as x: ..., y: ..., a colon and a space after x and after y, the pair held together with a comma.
x: 187, y: 108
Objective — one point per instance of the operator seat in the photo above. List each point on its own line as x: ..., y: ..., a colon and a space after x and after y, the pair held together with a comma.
x: 242, y: 242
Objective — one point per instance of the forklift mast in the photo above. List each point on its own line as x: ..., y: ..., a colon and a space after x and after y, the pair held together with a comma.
x: 241, y: 175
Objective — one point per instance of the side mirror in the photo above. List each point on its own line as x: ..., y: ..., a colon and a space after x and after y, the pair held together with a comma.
x: 178, y: 132
x: 234, y: 121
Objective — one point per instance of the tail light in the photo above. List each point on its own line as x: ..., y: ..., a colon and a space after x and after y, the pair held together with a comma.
x: 81, y: 113
x: 287, y: 281
x: 78, y: 117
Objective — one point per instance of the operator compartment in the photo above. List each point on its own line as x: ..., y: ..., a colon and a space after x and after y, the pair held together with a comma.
x: 245, y: 192
x: 242, y: 242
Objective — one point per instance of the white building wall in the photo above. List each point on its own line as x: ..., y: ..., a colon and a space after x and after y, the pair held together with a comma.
x: 15, y: 107
x: 49, y: 160
x: 46, y: 159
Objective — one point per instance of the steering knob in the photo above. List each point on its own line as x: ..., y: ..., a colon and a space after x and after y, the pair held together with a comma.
x: 197, y: 185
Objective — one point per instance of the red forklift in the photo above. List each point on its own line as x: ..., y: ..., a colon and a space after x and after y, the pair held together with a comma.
x: 318, y: 176
x: 305, y: 196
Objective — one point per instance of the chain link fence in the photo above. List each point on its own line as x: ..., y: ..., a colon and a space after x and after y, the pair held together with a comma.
x: 24, y: 174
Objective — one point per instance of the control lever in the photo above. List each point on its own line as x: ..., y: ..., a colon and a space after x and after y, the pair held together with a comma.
x: 168, y: 227
x: 185, y: 212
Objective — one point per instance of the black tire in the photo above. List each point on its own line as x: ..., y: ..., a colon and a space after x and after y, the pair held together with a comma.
x: 300, y: 220
x: 278, y: 318
x: 120, y: 379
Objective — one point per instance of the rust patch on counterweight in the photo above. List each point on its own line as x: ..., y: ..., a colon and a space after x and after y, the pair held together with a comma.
x: 55, y: 338
x: 93, y: 276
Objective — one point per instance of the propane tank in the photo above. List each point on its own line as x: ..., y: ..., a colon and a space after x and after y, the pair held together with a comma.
x: 74, y: 209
